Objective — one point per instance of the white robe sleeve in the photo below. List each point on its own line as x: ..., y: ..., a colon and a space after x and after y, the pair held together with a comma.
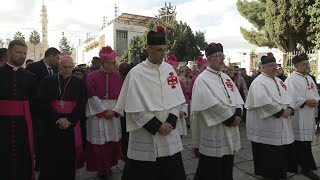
x: 295, y: 90
x: 216, y: 114
x: 184, y: 108
x: 269, y: 109
x: 94, y: 106
x: 176, y: 110
x: 140, y: 118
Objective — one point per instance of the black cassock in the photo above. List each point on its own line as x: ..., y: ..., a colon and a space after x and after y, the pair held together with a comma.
x: 58, y: 153
x: 15, y: 158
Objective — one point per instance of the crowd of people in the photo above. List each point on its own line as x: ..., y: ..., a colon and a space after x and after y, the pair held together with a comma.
x: 57, y: 118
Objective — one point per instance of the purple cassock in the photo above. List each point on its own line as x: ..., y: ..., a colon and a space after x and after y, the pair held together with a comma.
x: 103, y: 149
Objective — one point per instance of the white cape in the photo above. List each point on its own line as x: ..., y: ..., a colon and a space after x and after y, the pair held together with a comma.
x: 303, y: 123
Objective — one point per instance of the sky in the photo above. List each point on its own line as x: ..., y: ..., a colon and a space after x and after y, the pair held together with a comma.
x: 218, y: 18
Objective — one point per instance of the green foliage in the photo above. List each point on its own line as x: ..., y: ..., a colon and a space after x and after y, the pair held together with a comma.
x: 314, y: 68
x: 137, y: 46
x: 278, y: 23
x: 314, y: 12
x: 181, y: 40
x: 64, y: 46
x: 34, y: 39
x: 19, y: 36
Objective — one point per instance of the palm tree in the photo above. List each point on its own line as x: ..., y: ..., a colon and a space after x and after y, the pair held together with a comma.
x: 19, y: 36
x: 34, y: 39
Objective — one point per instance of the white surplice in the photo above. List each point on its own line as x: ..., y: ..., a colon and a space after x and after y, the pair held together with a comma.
x: 100, y: 130
x: 150, y: 90
x: 302, y: 87
x: 210, y: 106
x: 263, y: 101
x: 181, y: 122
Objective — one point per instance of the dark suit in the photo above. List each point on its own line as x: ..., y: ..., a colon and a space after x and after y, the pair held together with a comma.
x: 40, y: 70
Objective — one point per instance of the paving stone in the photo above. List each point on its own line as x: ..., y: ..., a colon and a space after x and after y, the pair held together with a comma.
x: 245, y: 153
x: 187, y: 154
x: 190, y: 166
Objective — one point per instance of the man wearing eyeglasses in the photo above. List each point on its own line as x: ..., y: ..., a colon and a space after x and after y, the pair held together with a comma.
x: 216, y: 109
x: 305, y: 95
x: 269, y: 109
x: 151, y: 96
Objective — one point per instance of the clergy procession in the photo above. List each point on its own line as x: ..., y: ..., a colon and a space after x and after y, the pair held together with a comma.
x: 57, y: 119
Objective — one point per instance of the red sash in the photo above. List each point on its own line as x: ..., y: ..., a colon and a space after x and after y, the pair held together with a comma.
x: 67, y: 109
x: 20, y: 108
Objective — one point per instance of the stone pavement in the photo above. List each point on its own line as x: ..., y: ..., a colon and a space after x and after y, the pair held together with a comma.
x: 243, y: 164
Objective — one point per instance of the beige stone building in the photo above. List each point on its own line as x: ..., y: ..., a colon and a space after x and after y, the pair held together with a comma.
x: 36, y: 52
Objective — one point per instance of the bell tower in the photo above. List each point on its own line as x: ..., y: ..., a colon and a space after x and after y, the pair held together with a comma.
x: 44, y: 22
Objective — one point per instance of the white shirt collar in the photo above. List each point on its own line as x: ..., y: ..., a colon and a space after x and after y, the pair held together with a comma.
x: 213, y: 71
x: 46, y: 64
x: 14, y: 67
x: 149, y: 63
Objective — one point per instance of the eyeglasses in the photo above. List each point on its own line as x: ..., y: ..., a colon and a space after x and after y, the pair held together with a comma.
x: 218, y: 55
x: 159, y: 49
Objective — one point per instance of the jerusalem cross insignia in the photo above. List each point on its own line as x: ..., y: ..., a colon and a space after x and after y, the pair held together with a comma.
x: 311, y: 86
x: 229, y: 84
x: 172, y: 80
x: 283, y: 85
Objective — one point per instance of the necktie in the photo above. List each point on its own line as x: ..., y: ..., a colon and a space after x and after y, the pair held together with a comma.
x: 50, y: 71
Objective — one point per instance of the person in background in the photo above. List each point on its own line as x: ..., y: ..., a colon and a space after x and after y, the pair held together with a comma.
x: 124, y: 69
x: 202, y: 64
x: 78, y: 72
x: 280, y: 74
x: 28, y: 62
x: 248, y: 79
x: 45, y: 67
x: 181, y: 122
x: 3, y: 56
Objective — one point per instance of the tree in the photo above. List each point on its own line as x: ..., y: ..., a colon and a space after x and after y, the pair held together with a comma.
x: 137, y: 46
x: 34, y: 39
x: 314, y: 12
x: 277, y: 23
x: 64, y: 45
x: 181, y: 40
x: 19, y: 36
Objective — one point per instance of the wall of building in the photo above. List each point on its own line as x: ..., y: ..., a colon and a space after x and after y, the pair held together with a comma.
x: 106, y: 36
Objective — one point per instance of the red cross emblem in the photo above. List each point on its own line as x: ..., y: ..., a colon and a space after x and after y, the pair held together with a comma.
x: 172, y: 80
x: 283, y: 85
x: 311, y: 86
x: 229, y: 85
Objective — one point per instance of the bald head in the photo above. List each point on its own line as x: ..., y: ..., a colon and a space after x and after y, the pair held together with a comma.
x: 124, y: 68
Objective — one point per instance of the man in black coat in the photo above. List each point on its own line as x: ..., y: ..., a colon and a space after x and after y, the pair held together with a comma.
x: 16, y: 134
x: 45, y: 67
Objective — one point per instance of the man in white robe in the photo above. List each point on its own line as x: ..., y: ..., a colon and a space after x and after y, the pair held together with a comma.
x: 269, y: 109
x: 305, y: 96
x: 151, y: 97
x: 216, y: 109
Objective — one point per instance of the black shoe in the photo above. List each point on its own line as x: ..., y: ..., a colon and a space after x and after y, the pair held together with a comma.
x: 310, y: 174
